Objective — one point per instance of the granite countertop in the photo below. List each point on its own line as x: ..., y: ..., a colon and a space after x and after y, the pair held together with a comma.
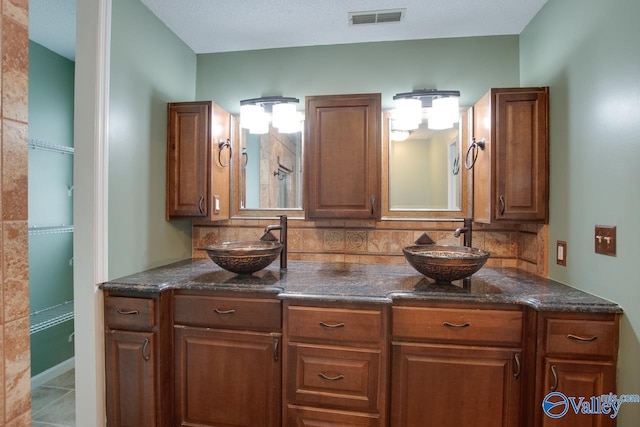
x: 378, y: 283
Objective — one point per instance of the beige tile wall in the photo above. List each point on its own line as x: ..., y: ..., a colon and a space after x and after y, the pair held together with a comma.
x: 520, y: 246
x: 15, y: 375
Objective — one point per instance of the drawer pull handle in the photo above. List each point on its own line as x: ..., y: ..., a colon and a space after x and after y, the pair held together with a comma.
x: 216, y: 311
x: 583, y: 339
x: 332, y: 325
x: 517, y: 359
x: 128, y: 312
x: 326, y: 378
x: 554, y: 371
x: 456, y: 325
x: 145, y: 350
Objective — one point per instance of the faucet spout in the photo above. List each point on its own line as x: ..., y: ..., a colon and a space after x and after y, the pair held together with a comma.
x: 466, y: 230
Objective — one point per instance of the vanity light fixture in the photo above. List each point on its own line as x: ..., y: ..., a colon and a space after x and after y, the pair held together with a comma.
x: 256, y: 113
x: 439, y: 107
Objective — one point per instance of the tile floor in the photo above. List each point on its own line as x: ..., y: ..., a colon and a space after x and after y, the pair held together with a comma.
x: 53, y: 404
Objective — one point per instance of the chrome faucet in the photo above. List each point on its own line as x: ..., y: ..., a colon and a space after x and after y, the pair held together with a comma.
x: 267, y: 236
x: 466, y: 230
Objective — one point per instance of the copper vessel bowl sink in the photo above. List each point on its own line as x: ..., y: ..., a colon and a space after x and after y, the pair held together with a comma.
x: 244, y: 257
x: 445, y: 263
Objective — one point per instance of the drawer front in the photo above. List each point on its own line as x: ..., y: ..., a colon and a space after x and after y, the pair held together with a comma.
x: 129, y: 313
x: 334, y: 324
x: 345, y: 378
x: 225, y: 312
x: 315, y: 417
x: 457, y: 325
x: 590, y: 337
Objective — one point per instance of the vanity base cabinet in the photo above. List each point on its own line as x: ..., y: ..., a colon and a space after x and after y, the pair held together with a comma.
x: 455, y: 367
x: 227, y: 378
x: 137, y: 372
x: 130, y: 381
x: 577, y: 356
x: 336, y: 365
x: 227, y: 360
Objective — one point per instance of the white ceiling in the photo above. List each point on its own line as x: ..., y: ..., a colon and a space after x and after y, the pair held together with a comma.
x: 208, y: 26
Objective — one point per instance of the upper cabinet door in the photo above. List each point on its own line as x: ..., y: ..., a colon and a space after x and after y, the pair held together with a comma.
x: 511, y: 175
x: 342, y: 156
x: 197, y: 164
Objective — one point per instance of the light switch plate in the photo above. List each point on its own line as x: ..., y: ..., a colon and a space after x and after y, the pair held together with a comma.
x: 561, y: 253
x: 605, y: 240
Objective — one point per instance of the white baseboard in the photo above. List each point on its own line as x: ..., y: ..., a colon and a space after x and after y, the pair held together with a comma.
x: 53, y: 372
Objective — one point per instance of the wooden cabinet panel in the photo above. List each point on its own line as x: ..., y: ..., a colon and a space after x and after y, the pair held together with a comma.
x: 336, y: 358
x: 334, y: 377
x: 129, y: 313
x: 130, y: 379
x: 576, y: 379
x: 197, y: 167
x: 581, y: 337
x: 577, y: 356
x: 228, y: 313
x: 511, y: 175
x: 458, y: 325
x: 227, y: 378
x: 342, y: 156
x: 334, y: 324
x: 438, y: 385
x: 315, y: 417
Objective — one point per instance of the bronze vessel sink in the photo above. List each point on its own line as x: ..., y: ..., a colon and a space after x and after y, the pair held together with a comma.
x: 445, y: 263
x: 244, y: 257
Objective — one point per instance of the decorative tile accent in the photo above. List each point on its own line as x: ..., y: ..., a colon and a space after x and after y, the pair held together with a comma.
x: 356, y: 240
x: 333, y: 240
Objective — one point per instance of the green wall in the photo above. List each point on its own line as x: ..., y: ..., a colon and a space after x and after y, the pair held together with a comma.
x: 587, y: 51
x: 472, y: 65
x: 150, y: 66
x: 51, y: 79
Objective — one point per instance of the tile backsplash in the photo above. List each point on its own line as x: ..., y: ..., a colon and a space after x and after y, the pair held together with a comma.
x: 520, y: 246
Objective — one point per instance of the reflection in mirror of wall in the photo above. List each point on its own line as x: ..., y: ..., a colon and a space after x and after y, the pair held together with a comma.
x: 270, y: 170
x: 424, y: 170
x: 422, y: 173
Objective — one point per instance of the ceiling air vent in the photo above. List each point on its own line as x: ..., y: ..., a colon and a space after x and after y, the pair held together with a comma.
x: 376, y: 16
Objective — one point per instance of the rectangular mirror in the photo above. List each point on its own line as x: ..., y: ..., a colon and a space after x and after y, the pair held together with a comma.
x: 268, y: 180
x: 423, y: 172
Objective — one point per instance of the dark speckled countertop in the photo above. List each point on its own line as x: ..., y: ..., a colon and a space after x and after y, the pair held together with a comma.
x: 380, y: 283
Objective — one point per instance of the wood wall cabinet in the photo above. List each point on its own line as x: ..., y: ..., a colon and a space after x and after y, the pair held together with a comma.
x: 455, y: 366
x: 336, y: 365
x: 342, y: 156
x: 511, y: 174
x: 577, y: 355
x: 136, y: 361
x: 227, y: 361
x: 198, y: 161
